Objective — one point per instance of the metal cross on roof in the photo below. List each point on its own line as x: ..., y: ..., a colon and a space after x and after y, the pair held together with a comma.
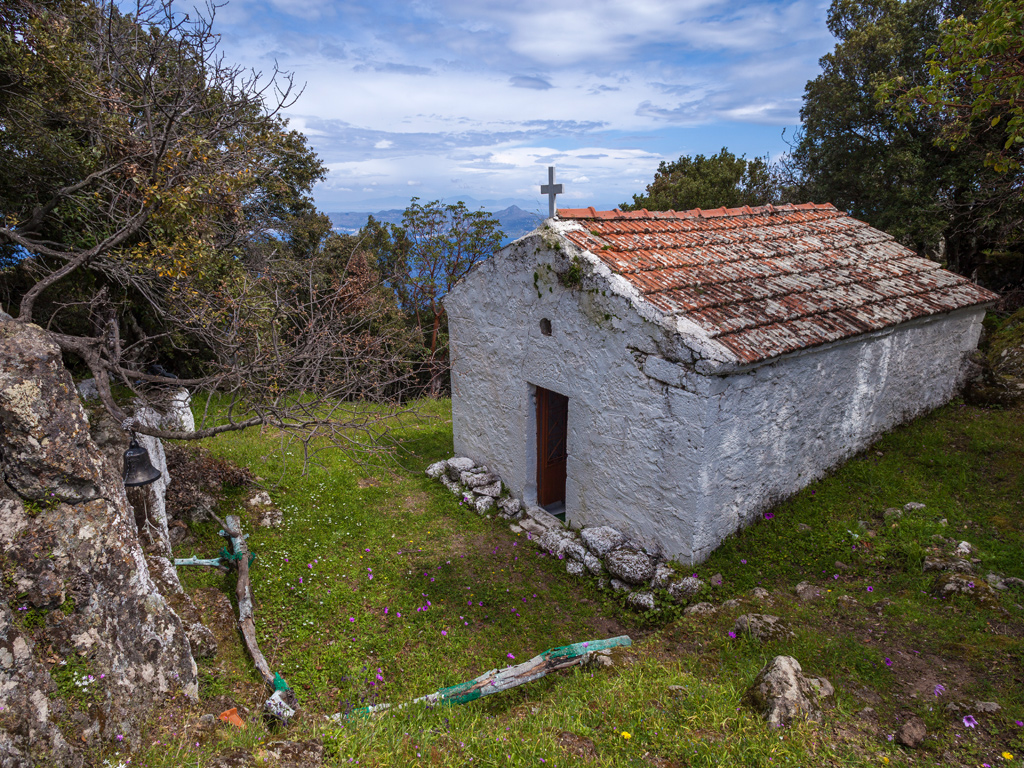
x: 551, y: 190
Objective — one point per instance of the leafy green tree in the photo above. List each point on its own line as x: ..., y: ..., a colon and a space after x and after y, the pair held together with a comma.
x: 709, y: 182
x: 859, y: 152
x: 976, y: 82
x: 421, y: 260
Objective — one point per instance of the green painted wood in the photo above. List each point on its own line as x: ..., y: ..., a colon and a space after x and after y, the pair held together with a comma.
x: 497, y: 680
x: 215, y: 561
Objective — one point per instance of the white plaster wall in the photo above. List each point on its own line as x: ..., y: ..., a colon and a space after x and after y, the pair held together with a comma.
x: 635, y: 445
x: 782, y: 425
x: 676, y: 459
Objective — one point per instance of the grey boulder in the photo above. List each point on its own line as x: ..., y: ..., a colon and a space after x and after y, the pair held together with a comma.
x: 781, y: 693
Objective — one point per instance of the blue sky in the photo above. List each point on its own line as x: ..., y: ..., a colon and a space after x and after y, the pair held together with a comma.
x: 473, y: 99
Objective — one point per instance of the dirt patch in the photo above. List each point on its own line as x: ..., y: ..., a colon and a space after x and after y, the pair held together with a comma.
x: 217, y: 613
x: 577, y: 746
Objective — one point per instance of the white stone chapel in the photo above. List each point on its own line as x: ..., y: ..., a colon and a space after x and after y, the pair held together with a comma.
x: 673, y: 374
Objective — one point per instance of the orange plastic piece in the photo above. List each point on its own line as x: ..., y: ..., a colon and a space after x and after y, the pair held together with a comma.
x: 231, y: 716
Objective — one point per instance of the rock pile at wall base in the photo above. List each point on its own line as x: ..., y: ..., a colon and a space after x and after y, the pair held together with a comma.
x: 87, y: 642
x: 600, y: 551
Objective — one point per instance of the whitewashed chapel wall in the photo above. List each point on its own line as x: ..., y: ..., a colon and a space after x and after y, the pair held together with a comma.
x: 635, y: 449
x: 674, y: 459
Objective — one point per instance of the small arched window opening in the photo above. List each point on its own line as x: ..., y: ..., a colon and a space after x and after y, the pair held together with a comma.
x: 545, y: 326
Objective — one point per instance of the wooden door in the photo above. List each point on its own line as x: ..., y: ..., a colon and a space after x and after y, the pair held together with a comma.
x: 552, y: 435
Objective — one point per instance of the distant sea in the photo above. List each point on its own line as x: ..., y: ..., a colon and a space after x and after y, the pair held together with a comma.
x: 515, y: 222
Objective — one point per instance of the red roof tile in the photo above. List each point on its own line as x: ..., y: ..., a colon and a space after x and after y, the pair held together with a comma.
x: 769, y: 280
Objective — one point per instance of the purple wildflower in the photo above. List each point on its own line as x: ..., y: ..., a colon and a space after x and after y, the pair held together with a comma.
x: 969, y: 721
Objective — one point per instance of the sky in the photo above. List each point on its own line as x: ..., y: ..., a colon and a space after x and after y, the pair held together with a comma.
x: 474, y: 99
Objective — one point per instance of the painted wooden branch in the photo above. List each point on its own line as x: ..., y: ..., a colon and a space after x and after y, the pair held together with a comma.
x: 214, y: 561
x: 495, y: 681
x: 246, y: 622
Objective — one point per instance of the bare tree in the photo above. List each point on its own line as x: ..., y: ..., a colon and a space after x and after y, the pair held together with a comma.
x: 147, y: 189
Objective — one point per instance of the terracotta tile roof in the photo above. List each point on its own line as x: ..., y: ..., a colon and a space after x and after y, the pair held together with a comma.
x: 769, y: 280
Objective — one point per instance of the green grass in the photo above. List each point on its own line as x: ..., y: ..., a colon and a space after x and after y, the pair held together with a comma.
x: 343, y: 640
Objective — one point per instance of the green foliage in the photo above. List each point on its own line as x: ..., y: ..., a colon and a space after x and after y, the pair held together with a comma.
x: 709, y: 182
x: 976, y: 82
x: 862, y: 153
x: 76, y: 680
x: 421, y: 261
x: 573, y: 276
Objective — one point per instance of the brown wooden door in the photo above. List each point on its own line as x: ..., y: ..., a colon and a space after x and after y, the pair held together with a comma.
x: 552, y: 434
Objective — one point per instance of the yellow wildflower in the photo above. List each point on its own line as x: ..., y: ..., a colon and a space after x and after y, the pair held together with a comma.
x: 1007, y: 756
x: 626, y: 735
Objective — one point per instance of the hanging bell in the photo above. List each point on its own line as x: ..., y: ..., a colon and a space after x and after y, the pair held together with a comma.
x: 138, y: 469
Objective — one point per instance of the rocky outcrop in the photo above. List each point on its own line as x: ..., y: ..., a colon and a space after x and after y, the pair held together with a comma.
x: 87, y: 641
x: 782, y: 694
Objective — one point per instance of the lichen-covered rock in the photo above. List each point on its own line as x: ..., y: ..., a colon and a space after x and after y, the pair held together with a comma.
x: 260, y: 499
x: 478, y: 479
x: 630, y: 565
x: 683, y: 589
x: 483, y: 504
x: 458, y: 465
x: 493, y: 490
x: 575, y: 567
x: 782, y: 694
x: 760, y: 593
x: 435, y: 470
x: 511, y: 507
x: 663, y: 574
x: 642, y: 600
x: 808, y: 592
x: 201, y: 640
x: 953, y: 564
x: 761, y: 627
x: 602, y: 539
x: 82, y: 568
x: 700, y: 609
x: 952, y: 584
x: 620, y: 586
x: 451, y: 485
x: 593, y: 563
x: 48, y: 456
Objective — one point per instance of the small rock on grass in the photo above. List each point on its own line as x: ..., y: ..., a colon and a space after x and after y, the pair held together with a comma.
x: 630, y: 565
x: 700, y: 609
x: 989, y: 707
x: 912, y: 733
x: 575, y: 567
x: 782, y: 694
x: 760, y: 593
x: 641, y: 600
x: 685, y: 588
x: 438, y: 468
x: 807, y: 592
x: 762, y: 627
x: 602, y: 539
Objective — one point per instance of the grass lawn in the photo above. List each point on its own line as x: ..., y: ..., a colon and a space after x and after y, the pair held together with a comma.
x: 380, y: 587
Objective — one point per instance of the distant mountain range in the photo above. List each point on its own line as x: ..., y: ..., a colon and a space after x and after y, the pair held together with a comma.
x: 515, y: 222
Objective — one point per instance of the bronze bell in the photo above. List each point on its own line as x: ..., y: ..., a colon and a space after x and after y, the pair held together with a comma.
x: 138, y: 469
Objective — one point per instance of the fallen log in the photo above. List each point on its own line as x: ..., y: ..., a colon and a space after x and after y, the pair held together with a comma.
x: 246, y: 620
x: 495, y: 680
